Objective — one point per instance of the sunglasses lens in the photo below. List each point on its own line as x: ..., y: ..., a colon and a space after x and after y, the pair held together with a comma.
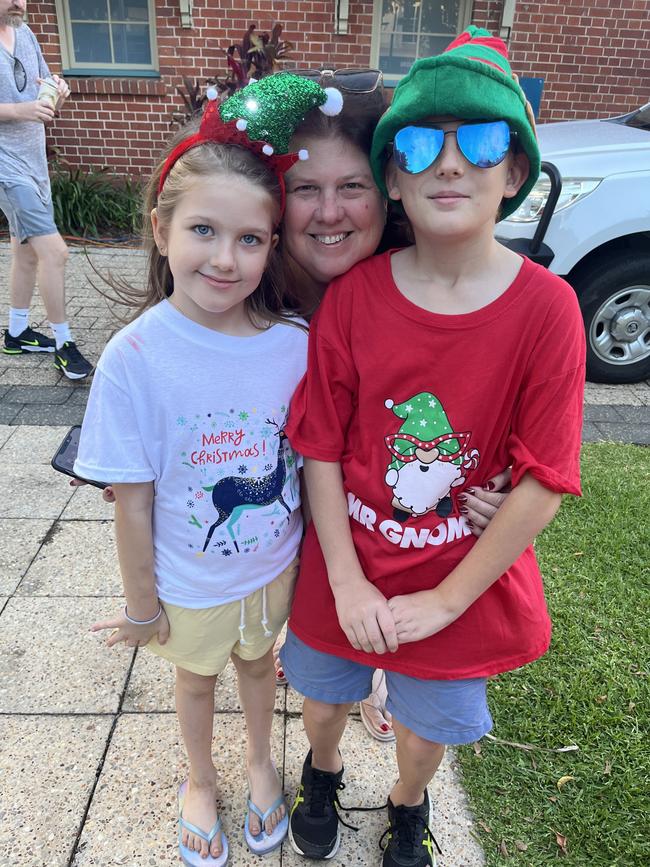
x: 415, y: 148
x: 358, y: 80
x: 20, y: 76
x: 484, y: 144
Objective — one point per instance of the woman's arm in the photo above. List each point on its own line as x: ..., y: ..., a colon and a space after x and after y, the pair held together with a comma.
x: 362, y: 610
x: 527, y: 510
x: 134, y: 535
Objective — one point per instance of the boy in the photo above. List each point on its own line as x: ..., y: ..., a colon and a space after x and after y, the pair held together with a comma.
x: 430, y: 368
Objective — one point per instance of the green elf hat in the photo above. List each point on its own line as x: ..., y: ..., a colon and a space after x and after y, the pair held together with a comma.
x: 262, y: 118
x: 470, y: 80
x: 425, y: 425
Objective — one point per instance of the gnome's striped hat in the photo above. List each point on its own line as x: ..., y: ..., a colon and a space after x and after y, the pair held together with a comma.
x: 471, y: 80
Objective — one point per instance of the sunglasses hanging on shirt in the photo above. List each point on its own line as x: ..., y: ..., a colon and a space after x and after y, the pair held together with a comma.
x: 484, y: 145
x: 20, y: 76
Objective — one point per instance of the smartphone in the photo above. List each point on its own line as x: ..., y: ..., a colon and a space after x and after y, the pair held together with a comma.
x: 64, y: 459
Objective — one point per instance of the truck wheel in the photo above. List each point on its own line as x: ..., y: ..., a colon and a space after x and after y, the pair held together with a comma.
x: 614, y: 297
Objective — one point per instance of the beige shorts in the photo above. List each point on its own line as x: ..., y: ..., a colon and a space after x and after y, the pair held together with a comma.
x: 201, y: 640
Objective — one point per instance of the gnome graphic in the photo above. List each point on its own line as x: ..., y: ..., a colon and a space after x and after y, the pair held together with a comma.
x: 429, y: 458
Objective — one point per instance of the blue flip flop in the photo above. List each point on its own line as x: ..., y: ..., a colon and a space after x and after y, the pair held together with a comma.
x: 188, y: 856
x: 264, y: 843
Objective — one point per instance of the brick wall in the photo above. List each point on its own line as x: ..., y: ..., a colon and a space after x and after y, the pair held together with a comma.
x: 123, y: 123
x: 593, y: 56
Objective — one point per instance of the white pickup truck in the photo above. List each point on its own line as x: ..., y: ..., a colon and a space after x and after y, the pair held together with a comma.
x: 597, y: 234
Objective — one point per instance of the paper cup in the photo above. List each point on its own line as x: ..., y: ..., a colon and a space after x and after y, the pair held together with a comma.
x: 48, y: 92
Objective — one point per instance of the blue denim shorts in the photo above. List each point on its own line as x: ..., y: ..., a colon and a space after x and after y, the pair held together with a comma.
x: 442, y: 711
x: 27, y: 214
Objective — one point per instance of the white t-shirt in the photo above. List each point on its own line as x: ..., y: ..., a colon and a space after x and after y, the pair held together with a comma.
x: 199, y: 413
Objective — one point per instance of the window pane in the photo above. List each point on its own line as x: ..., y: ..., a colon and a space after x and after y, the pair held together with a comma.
x: 431, y: 44
x: 397, y: 52
x: 89, y: 10
x: 440, y: 17
x: 129, y: 10
x: 131, y: 43
x: 91, y: 43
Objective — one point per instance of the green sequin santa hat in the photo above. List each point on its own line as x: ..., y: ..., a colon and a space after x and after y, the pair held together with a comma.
x: 261, y: 117
x: 424, y: 425
x: 470, y: 80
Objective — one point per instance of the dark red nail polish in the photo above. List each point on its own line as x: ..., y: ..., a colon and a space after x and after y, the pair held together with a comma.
x: 464, y: 510
x: 489, y: 486
x: 470, y: 523
x: 470, y: 491
x: 462, y: 498
x: 384, y: 727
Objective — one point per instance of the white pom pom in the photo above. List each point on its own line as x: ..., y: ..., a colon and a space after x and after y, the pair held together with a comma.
x: 303, y: 154
x: 267, y: 149
x: 241, y: 124
x: 334, y: 102
x: 212, y: 93
x: 389, y: 404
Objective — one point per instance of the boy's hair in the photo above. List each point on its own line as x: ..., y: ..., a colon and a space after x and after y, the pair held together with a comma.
x: 470, y: 80
x: 265, y: 304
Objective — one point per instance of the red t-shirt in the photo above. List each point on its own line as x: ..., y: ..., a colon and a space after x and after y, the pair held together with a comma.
x: 417, y: 406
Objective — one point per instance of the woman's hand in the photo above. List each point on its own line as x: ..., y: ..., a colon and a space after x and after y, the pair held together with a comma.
x: 365, y: 617
x: 419, y: 615
x: 107, y: 494
x: 482, y: 503
x: 132, y: 635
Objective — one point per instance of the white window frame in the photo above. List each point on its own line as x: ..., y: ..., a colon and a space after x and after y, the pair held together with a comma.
x: 391, y: 78
x: 73, y: 67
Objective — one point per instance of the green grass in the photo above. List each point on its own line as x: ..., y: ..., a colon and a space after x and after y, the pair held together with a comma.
x: 591, y: 689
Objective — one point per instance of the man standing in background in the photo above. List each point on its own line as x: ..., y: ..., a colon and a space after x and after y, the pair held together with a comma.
x: 25, y: 195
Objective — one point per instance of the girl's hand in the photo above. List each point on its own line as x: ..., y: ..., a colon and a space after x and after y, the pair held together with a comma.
x: 482, y: 503
x: 365, y: 617
x: 132, y: 635
x: 419, y: 615
x: 107, y: 494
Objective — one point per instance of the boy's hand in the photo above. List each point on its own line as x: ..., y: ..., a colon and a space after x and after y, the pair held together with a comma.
x: 365, y: 617
x: 132, y: 635
x: 420, y: 615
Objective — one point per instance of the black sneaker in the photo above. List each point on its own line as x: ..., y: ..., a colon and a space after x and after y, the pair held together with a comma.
x: 314, y: 821
x: 408, y: 839
x: 28, y: 341
x: 71, y: 362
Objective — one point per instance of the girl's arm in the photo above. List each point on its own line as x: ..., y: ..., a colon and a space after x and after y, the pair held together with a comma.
x: 362, y: 610
x: 134, y: 535
x: 525, y: 513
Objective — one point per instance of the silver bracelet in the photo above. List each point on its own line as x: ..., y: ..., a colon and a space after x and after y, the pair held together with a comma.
x: 143, y: 622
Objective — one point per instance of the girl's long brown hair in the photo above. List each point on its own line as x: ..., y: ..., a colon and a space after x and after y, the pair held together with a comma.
x: 266, y: 304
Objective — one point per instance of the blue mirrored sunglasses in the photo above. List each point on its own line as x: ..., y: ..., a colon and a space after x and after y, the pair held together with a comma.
x: 484, y: 145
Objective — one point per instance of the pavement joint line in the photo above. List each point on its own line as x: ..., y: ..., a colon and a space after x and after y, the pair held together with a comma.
x: 100, y: 766
x: 46, y: 538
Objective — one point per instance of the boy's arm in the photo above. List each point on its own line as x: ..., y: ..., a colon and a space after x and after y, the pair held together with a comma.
x: 525, y: 513
x: 362, y: 610
x: 134, y: 535
x: 37, y: 111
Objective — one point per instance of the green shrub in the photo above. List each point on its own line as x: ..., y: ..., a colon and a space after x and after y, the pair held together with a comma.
x: 95, y: 203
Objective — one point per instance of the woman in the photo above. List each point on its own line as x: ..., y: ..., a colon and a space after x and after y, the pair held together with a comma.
x: 335, y: 217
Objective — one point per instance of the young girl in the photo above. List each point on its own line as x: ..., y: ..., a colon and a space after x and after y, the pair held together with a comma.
x: 185, y: 420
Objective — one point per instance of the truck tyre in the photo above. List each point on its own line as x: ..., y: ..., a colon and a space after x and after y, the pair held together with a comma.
x: 614, y: 296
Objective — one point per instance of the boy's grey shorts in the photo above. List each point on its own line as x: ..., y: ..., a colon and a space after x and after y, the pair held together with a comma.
x: 27, y: 214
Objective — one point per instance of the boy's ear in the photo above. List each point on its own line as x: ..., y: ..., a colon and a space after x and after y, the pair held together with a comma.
x: 518, y: 171
x: 159, y: 234
x: 391, y: 175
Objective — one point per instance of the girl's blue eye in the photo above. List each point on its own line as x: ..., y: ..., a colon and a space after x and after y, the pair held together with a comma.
x: 250, y: 240
x: 202, y: 230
